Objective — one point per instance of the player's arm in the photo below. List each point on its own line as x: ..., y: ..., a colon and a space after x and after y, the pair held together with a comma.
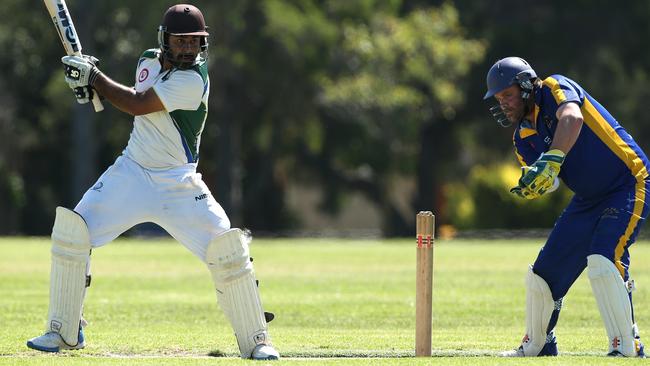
x: 568, y: 127
x: 82, y: 75
x: 127, y: 99
x: 531, y: 185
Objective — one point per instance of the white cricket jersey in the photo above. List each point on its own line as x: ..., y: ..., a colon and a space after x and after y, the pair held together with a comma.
x: 169, y: 138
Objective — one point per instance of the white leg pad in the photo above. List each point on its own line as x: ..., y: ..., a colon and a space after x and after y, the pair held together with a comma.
x: 70, y: 258
x: 614, y: 304
x: 539, y: 308
x: 232, y: 272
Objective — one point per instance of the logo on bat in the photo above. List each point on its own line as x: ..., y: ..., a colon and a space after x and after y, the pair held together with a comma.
x: 69, y: 31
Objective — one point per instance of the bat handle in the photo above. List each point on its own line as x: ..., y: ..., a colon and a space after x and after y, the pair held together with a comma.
x: 97, y: 104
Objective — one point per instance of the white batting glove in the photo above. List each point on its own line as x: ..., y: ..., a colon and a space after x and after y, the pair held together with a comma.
x: 80, y: 71
x: 83, y: 94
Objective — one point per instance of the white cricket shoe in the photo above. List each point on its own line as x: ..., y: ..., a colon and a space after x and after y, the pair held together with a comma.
x: 52, y: 342
x: 549, y: 349
x: 265, y: 352
x: 519, y: 352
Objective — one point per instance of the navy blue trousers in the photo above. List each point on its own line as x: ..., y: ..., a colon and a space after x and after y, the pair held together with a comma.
x: 605, y: 226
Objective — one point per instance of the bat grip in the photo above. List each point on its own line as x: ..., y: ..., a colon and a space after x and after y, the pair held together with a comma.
x: 97, y: 104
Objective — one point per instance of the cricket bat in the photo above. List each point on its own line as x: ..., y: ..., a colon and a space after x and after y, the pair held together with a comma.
x: 68, y: 34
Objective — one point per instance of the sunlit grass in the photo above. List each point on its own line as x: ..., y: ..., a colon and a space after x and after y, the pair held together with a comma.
x: 336, y: 302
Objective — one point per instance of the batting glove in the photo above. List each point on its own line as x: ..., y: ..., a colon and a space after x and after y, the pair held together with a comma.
x: 540, y: 177
x: 83, y: 94
x: 80, y: 71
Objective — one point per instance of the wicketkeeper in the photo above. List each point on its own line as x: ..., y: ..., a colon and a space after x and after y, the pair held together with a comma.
x: 563, y: 132
x: 154, y: 180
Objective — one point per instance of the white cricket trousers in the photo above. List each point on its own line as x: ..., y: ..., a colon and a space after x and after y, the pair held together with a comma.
x: 176, y: 199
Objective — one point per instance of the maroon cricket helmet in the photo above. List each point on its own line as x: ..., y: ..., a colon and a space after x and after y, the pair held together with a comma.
x: 184, y: 19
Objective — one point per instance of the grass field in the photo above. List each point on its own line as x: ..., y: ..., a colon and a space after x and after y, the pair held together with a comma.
x: 337, y: 302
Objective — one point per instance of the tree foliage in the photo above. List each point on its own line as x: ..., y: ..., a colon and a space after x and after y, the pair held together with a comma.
x: 345, y: 96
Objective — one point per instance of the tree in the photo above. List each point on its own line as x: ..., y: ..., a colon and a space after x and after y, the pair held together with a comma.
x: 392, y: 107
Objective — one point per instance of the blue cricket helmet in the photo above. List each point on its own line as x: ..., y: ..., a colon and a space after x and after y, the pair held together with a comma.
x: 509, y: 71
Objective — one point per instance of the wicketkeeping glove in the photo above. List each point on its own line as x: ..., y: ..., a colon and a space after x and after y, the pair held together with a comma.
x: 80, y: 71
x: 538, y: 178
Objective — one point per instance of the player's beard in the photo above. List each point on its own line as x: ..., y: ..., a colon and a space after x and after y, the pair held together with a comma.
x: 187, y: 57
x: 514, y: 115
x: 182, y: 60
x: 519, y: 112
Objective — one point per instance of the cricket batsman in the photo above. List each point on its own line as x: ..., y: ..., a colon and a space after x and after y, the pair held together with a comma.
x: 562, y: 132
x: 154, y: 180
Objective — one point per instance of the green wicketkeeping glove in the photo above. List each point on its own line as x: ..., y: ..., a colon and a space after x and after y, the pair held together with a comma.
x: 538, y: 179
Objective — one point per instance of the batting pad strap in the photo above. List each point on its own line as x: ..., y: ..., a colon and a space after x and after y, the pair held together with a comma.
x: 613, y: 300
x: 70, y: 257
x: 539, y: 309
x: 228, y: 259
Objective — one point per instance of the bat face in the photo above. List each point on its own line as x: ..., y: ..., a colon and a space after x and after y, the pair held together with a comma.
x: 68, y: 35
x: 69, y: 32
x: 64, y: 25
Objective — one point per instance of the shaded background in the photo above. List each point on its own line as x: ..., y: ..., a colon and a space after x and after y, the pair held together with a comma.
x: 326, y: 117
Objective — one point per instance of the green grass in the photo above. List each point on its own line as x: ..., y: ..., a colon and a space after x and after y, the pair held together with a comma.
x: 337, y: 302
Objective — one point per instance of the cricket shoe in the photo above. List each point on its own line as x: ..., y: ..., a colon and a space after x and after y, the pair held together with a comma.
x: 549, y: 349
x: 265, y: 352
x: 52, y: 342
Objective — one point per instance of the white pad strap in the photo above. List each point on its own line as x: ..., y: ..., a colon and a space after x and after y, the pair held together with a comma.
x: 232, y: 271
x: 70, y: 258
x: 614, y: 304
x: 539, y: 308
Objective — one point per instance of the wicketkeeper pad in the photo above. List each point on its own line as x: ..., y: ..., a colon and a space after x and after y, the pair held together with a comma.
x: 70, y: 258
x: 614, y: 304
x: 539, y: 308
x: 232, y: 271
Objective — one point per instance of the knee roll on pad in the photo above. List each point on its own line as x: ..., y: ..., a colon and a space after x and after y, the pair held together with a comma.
x: 228, y: 259
x: 70, y: 259
x: 228, y: 256
x: 539, y: 309
x: 613, y: 300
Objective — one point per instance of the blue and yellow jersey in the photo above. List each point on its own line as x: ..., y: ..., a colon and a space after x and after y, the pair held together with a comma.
x: 604, y: 157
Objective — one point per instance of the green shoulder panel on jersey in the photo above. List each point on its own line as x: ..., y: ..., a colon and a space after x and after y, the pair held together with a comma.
x: 191, y: 123
x: 151, y: 53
